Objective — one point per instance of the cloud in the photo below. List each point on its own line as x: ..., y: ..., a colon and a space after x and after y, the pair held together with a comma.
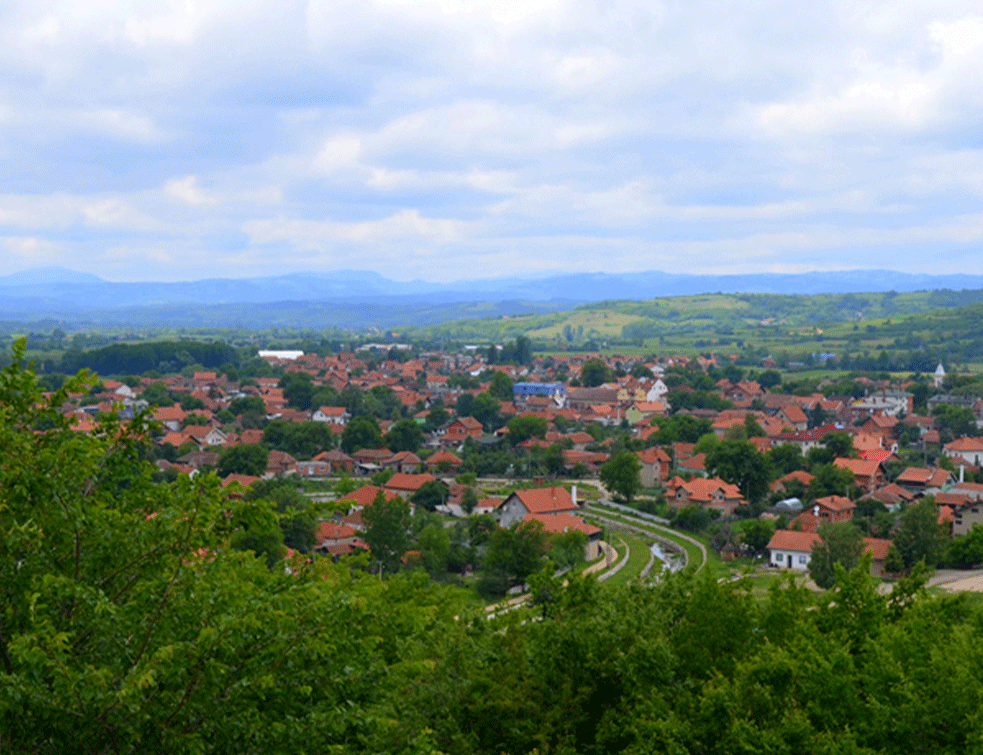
x: 443, y: 138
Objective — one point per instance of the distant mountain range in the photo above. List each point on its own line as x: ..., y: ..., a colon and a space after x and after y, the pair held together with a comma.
x: 357, y: 299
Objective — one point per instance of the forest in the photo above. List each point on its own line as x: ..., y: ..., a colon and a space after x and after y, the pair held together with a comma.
x: 128, y: 623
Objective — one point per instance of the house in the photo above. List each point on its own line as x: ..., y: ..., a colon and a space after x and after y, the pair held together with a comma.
x: 336, y: 415
x: 790, y: 549
x: 405, y: 485
x: 708, y: 493
x: 559, y: 523
x: 404, y: 461
x: 641, y: 411
x: 968, y: 450
x: 334, y: 533
x: 365, y: 495
x: 655, y: 466
x: 921, y: 479
x: 801, y: 476
x: 443, y: 460
x: 339, y: 460
x: 791, y: 415
x: 280, y: 462
x: 461, y: 429
x: 312, y: 468
x: 867, y: 475
x: 835, y: 508
x: 539, y: 501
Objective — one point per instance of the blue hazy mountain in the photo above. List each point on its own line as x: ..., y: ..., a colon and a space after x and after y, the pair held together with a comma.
x: 350, y: 298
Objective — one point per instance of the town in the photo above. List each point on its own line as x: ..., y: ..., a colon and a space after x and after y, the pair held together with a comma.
x: 705, y: 445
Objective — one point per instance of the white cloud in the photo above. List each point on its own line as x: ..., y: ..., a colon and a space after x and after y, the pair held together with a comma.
x: 187, y: 190
x: 314, y: 234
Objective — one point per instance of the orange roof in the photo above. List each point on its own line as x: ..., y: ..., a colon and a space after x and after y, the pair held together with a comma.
x: 546, y: 500
x: 365, y: 495
x: 410, y: 482
x: 559, y: 523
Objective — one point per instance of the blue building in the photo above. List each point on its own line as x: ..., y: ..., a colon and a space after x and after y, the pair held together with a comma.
x: 525, y: 390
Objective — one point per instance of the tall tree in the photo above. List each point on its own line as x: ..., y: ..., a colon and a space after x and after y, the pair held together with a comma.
x: 840, y: 543
x: 741, y: 464
x: 595, y: 372
x: 919, y: 536
x: 622, y: 474
x: 387, y: 530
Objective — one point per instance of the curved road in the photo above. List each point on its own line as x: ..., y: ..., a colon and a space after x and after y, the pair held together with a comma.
x: 648, y: 524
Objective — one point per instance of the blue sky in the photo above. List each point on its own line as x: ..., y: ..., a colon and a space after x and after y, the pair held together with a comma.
x: 447, y: 139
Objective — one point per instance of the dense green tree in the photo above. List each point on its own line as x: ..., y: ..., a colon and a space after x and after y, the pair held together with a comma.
x: 595, y: 372
x: 958, y: 420
x: 829, y: 479
x: 430, y: 495
x: 302, y: 440
x: 512, y: 555
x: 157, y: 394
x: 404, y: 435
x: 838, y: 445
x: 567, y: 548
x: 500, y: 386
x: 785, y: 458
x: 525, y: 427
x: 361, y: 432
x: 485, y: 409
x: 387, y: 524
x: 434, y: 544
x: 246, y: 459
x: 919, y: 536
x: 840, y: 543
x: 297, y: 521
x: 757, y: 533
x: 622, y: 475
x: 965, y: 551
x: 438, y: 416
x: 247, y: 405
x: 741, y: 464
x: 553, y: 461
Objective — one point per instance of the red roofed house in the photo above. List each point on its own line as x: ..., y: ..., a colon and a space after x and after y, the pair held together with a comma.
x: 442, y: 460
x: 920, y: 478
x: 365, y: 495
x: 332, y: 533
x: 539, y: 501
x: 968, y: 450
x: 560, y: 523
x: 866, y: 474
x: 405, y: 485
x: 336, y: 415
x: 793, y: 550
x: 461, y: 428
x: 712, y: 493
x: 655, y: 466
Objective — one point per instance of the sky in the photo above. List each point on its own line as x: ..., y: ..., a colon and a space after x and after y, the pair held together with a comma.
x: 453, y: 139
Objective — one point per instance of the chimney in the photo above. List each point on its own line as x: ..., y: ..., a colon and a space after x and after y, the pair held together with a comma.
x: 815, y: 511
x: 573, y: 494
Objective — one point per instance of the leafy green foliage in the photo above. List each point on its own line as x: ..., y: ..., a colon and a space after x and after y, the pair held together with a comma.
x: 361, y: 432
x: 387, y: 531
x: 246, y: 459
x: 622, y: 474
x: 741, y: 464
x: 404, y: 435
x: 840, y: 545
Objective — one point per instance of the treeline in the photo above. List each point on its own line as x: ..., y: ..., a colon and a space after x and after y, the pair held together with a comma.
x: 161, y: 356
